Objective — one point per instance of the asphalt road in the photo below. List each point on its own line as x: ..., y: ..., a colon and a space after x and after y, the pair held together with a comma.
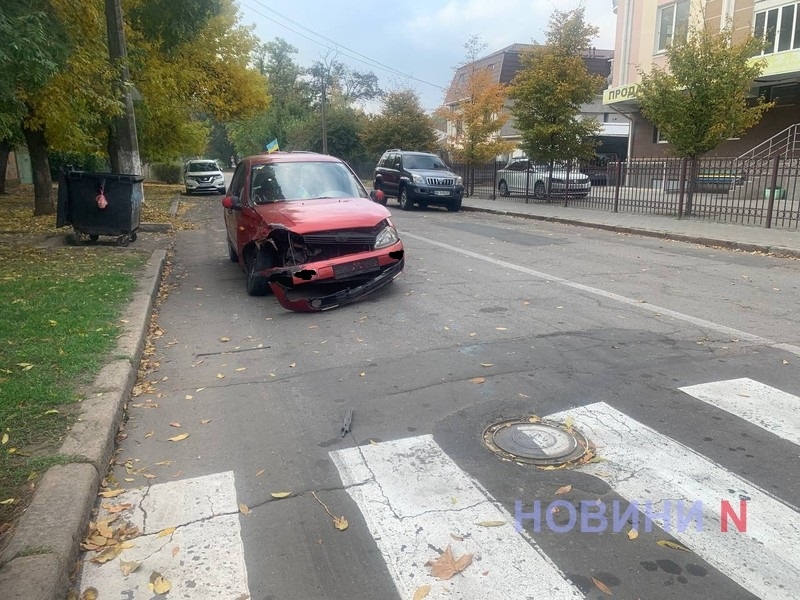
x: 493, y: 318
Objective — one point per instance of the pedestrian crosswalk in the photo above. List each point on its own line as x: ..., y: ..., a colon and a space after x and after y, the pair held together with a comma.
x: 413, y: 496
x: 416, y: 501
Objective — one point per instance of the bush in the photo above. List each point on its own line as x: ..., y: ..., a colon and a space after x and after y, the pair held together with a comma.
x: 167, y: 172
x: 82, y: 162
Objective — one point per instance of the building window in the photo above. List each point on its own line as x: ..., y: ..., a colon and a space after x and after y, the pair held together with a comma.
x: 658, y: 137
x: 778, y: 28
x: 672, y: 24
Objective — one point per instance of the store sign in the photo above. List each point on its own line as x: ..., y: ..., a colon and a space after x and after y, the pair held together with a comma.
x: 619, y: 94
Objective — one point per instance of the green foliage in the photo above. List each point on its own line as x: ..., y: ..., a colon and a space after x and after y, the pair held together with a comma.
x: 170, y: 23
x: 344, y: 126
x: 402, y: 123
x: 83, y: 162
x: 701, y: 99
x: 551, y: 88
x: 167, y: 172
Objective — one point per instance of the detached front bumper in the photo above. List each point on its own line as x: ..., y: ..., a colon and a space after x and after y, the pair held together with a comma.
x: 298, y: 299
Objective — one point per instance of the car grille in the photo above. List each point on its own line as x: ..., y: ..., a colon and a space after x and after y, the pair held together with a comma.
x: 332, y: 244
x: 201, y: 178
x: 447, y: 181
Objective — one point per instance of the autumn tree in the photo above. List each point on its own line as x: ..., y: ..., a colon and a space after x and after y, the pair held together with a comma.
x: 188, y: 85
x: 477, y: 111
x: 550, y: 89
x: 402, y: 123
x: 701, y: 98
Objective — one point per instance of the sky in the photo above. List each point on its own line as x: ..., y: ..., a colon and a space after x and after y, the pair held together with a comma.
x: 413, y: 44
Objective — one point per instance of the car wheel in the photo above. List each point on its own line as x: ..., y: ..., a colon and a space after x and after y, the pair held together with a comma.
x: 539, y: 190
x: 503, y: 188
x: 256, y: 261
x: 405, y: 202
x: 454, y: 205
x: 93, y: 237
x: 232, y: 256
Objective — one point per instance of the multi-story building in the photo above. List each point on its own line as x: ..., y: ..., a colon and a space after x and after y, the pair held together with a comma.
x: 504, y: 65
x: 645, y: 28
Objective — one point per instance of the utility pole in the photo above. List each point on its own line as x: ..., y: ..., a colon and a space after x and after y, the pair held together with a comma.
x: 324, y: 121
x: 123, y: 145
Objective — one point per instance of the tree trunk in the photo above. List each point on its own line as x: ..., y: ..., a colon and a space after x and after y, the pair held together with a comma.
x: 690, y: 184
x: 40, y: 165
x: 5, y: 149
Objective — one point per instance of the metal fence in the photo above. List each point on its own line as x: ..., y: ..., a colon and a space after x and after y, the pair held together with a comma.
x: 762, y: 191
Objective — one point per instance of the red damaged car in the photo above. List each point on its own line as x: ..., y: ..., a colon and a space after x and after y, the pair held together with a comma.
x: 303, y: 225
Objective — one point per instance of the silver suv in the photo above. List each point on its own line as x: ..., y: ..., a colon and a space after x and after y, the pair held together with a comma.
x: 523, y: 176
x: 203, y: 175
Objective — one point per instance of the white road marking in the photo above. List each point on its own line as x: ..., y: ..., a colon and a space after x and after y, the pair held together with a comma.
x: 641, y: 464
x: 203, y: 558
x: 414, y: 499
x: 772, y: 409
x: 666, y: 312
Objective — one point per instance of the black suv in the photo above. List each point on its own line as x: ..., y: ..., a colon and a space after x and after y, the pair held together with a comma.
x: 418, y: 177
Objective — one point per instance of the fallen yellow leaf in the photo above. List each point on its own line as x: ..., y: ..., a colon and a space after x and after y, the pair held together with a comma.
x: 159, y: 584
x: 174, y: 424
x: 110, y: 493
x: 340, y: 523
x: 224, y: 339
x: 178, y: 438
x: 220, y: 376
x: 166, y: 532
x: 7, y: 501
x: 244, y: 509
x: 602, y: 587
x: 486, y: 364
x: 260, y: 473
x: 128, y: 567
x: 564, y: 489
x: 501, y: 328
x: 149, y: 434
x: 633, y: 534
x: 422, y: 592
x: 280, y: 494
x: 205, y: 421
x: 5, y: 439
x: 189, y: 397
x: 491, y: 523
x: 477, y: 380
x: 89, y: 593
x: 447, y: 565
x: 673, y: 545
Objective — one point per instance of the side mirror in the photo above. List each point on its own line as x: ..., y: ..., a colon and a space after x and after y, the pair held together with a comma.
x: 231, y: 203
x: 378, y: 196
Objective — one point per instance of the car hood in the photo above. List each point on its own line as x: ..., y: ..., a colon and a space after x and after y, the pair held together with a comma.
x: 307, y: 216
x: 203, y: 173
x: 433, y: 173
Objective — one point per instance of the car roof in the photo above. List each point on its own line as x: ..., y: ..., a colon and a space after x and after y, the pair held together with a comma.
x: 281, y: 157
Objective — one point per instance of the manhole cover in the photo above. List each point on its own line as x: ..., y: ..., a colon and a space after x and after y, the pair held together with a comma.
x: 540, y: 443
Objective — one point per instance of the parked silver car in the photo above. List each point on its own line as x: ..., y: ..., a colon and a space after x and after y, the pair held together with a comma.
x: 523, y: 176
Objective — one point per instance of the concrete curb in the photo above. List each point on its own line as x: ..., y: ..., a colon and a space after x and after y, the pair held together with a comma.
x: 666, y: 235
x: 45, y: 545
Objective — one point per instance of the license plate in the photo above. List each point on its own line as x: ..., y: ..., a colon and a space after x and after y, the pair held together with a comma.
x: 357, y: 267
x: 441, y: 193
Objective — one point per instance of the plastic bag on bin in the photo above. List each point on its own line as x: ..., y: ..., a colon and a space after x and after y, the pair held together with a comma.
x: 101, y: 198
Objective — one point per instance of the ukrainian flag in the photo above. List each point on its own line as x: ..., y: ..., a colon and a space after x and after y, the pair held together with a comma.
x: 272, y: 146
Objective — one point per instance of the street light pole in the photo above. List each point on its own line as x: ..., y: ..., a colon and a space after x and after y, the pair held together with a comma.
x: 123, y: 146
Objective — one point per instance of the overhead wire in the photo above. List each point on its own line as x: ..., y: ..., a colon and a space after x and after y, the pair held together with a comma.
x: 331, y: 44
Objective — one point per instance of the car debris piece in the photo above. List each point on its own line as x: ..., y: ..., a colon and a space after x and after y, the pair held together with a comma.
x: 347, y: 422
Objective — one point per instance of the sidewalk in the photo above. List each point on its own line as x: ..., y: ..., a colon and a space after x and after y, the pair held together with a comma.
x: 748, y: 238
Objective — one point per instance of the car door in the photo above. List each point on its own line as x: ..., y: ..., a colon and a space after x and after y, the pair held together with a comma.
x: 391, y: 175
x: 232, y: 216
x: 516, y: 176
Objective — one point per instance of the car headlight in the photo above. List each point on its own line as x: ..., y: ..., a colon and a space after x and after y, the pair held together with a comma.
x: 459, y: 180
x: 417, y: 178
x: 386, y: 237
x: 218, y: 177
